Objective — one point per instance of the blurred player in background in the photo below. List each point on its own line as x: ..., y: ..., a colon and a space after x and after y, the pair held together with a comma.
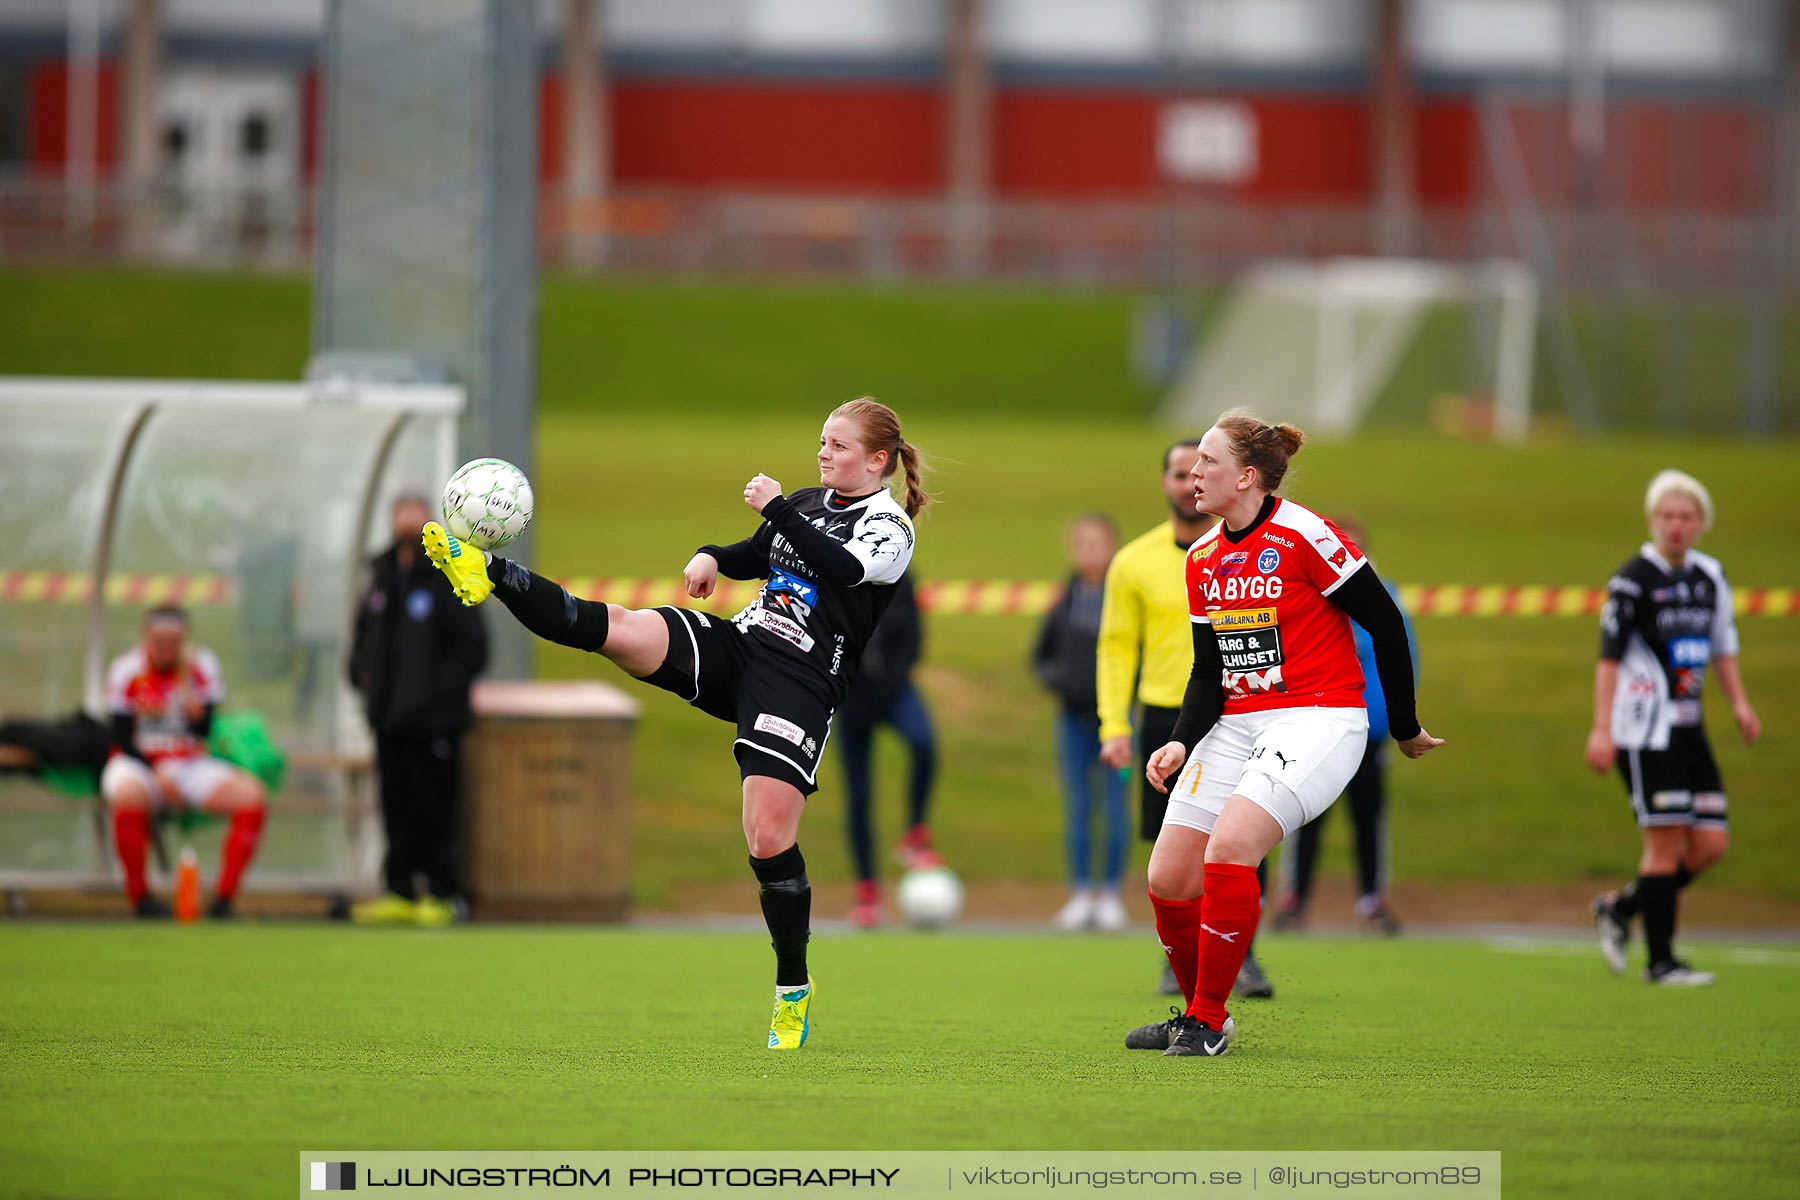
x: 1272, y: 725
x: 830, y: 556
x: 414, y: 657
x: 1668, y: 615
x: 1144, y: 641
x: 1064, y: 660
x: 162, y: 695
x: 883, y: 693
x: 1367, y: 794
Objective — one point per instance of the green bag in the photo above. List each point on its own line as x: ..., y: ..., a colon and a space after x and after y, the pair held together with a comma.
x: 70, y: 781
x: 242, y: 738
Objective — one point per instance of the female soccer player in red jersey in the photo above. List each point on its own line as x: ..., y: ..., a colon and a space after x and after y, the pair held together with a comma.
x: 778, y: 670
x: 1273, y: 715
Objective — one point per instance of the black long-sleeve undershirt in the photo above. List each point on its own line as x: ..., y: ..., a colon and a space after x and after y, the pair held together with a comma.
x: 1204, y: 701
x: 823, y: 553
x: 1365, y: 600
x: 748, y: 559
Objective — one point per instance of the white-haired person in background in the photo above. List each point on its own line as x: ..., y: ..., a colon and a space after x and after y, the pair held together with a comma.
x: 1668, y: 615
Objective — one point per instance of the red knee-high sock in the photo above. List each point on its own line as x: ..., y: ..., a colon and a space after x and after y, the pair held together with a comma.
x: 131, y: 834
x: 240, y: 845
x: 1178, y: 927
x: 1228, y: 914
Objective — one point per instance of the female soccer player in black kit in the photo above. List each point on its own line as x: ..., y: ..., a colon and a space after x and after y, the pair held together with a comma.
x: 778, y: 670
x: 1668, y: 617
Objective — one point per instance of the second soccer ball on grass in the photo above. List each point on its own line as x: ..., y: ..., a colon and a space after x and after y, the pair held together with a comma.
x: 931, y: 897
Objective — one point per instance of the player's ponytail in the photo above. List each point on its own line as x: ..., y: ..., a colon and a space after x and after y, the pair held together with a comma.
x: 913, y: 461
x: 880, y: 429
x: 1260, y: 445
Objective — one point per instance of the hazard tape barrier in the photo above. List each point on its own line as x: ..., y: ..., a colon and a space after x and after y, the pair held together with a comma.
x: 956, y: 597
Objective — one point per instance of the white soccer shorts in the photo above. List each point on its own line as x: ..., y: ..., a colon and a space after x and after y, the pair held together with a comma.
x: 1292, y: 762
x: 195, y: 779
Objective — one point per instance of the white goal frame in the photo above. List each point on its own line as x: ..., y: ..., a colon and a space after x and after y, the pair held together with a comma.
x: 1319, y: 307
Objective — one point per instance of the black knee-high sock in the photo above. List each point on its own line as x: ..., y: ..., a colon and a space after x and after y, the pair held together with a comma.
x: 787, y: 910
x: 1656, y: 901
x: 1626, y: 906
x: 547, y: 609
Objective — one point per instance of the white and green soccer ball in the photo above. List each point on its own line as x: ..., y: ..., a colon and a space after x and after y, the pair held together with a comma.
x: 487, y: 503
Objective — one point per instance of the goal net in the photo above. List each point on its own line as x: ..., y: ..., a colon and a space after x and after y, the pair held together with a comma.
x: 1326, y: 344
x: 254, y: 507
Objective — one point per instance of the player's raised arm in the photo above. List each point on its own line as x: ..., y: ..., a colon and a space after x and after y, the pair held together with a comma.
x: 748, y: 559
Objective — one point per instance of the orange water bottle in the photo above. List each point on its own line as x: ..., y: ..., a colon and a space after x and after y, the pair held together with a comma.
x: 187, y: 886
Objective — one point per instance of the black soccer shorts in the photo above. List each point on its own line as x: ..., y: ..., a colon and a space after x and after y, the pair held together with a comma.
x: 1677, y: 786
x: 782, y: 725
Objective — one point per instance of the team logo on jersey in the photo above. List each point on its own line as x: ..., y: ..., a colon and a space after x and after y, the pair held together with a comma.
x: 1690, y: 651
x: 783, y: 584
x: 1268, y: 560
x: 1332, y: 553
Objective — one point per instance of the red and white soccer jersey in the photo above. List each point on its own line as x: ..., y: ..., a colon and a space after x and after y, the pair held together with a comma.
x: 1285, y: 645
x: 157, y: 700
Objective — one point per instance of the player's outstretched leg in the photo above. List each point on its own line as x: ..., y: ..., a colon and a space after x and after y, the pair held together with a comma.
x: 637, y: 641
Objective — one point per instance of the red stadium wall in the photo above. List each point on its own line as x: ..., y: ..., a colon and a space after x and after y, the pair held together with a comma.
x: 1048, y: 142
x: 46, y: 136
x: 1311, y: 148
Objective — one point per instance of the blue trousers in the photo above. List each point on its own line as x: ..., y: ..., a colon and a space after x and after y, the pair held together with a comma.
x: 907, y: 716
x: 1078, y: 751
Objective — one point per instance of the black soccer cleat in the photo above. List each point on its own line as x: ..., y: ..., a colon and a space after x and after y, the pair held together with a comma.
x: 221, y: 909
x: 1675, y: 973
x: 1156, y: 1035
x: 1251, y: 983
x: 1194, y: 1037
x: 149, y: 908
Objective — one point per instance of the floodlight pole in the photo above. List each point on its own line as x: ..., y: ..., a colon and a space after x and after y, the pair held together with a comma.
x: 426, y: 256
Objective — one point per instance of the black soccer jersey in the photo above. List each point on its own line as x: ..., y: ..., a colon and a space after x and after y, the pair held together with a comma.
x: 1663, y: 625
x: 829, y: 562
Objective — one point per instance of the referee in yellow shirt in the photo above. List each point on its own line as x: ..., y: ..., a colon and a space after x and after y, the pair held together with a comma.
x: 1147, y: 644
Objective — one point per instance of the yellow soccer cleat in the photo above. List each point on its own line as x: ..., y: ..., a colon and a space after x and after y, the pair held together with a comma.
x: 433, y: 913
x: 387, y: 909
x: 793, y: 1017
x: 464, y: 564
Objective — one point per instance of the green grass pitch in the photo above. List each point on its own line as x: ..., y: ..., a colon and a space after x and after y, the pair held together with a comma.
x: 198, y: 1061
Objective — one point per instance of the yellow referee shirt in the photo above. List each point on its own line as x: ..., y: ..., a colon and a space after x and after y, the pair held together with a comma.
x: 1144, y: 619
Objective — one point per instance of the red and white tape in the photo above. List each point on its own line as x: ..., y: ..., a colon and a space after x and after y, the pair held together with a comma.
x: 947, y: 597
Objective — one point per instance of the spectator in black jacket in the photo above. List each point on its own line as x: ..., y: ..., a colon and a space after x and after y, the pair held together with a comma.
x: 882, y: 693
x: 1064, y: 661
x: 414, y: 657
